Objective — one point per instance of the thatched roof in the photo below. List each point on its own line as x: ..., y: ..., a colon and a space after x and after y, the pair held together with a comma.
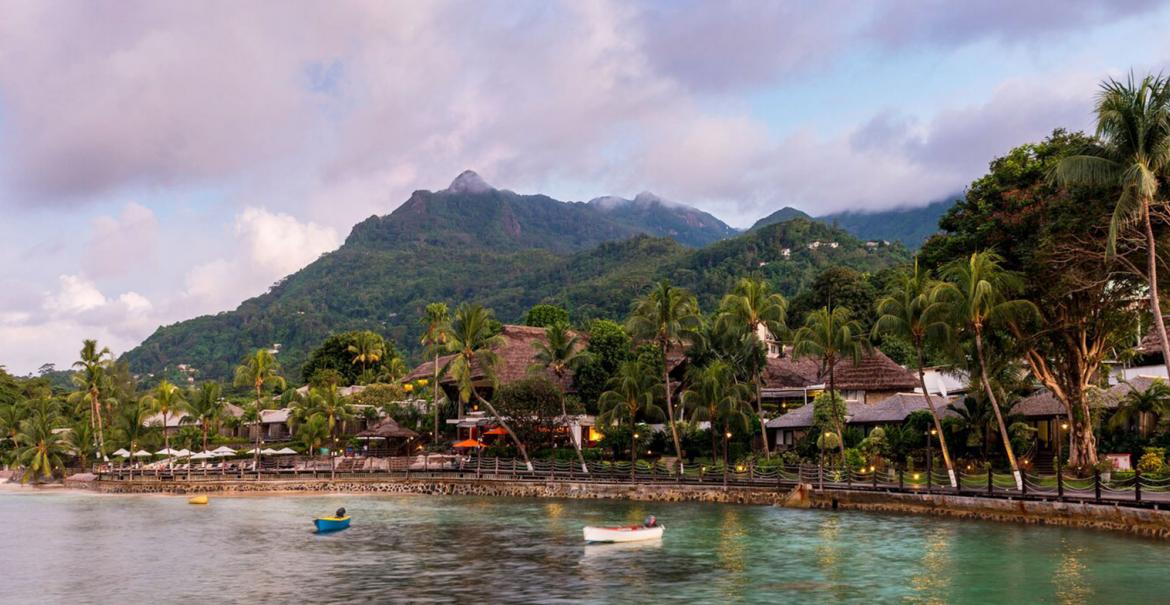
x: 873, y: 372
x: 789, y: 373
x: 1043, y: 403
x: 1151, y: 344
x: 896, y: 408
x: 388, y: 429
x: 516, y: 354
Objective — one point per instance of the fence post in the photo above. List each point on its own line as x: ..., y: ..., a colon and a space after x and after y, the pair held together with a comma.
x: 1059, y: 481
x: 1024, y: 481
x: 821, y: 475
x: 1097, y: 484
x: 848, y: 476
x: 901, y: 479
x: 929, y: 477
x: 990, y: 481
x: 874, y: 473
x: 1137, y: 485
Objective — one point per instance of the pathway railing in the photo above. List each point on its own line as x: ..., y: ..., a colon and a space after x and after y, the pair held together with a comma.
x: 1128, y: 489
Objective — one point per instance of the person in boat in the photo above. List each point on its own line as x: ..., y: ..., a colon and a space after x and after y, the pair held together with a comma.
x: 340, y: 513
x: 650, y: 521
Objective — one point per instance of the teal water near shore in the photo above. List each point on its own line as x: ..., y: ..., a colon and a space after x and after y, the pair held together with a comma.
x: 76, y: 547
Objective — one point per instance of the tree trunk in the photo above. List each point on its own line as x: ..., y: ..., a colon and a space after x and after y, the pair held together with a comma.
x: 714, y: 436
x: 576, y: 442
x: 942, y: 440
x: 725, y: 460
x: 1152, y: 278
x: 166, y: 438
x: 760, y: 412
x: 833, y: 409
x: 97, y: 418
x: 435, y: 398
x: 496, y: 415
x: 259, y: 427
x: 633, y: 449
x: 1003, y: 432
x: 670, y: 407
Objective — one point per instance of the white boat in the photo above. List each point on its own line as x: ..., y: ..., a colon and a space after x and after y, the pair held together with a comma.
x: 632, y: 533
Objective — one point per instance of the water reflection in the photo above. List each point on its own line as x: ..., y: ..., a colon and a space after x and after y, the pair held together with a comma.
x: 1069, y: 578
x: 933, y: 579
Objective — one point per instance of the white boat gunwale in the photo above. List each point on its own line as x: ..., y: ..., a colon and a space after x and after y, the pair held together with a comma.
x: 633, y: 533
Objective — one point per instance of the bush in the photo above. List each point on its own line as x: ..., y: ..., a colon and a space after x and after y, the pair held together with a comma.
x: 1152, y: 462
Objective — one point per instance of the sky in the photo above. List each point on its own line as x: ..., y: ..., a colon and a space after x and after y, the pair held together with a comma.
x: 161, y: 160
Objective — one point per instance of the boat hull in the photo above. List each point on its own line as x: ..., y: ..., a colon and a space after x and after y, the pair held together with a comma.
x: 201, y: 499
x: 623, y: 534
x: 328, y: 524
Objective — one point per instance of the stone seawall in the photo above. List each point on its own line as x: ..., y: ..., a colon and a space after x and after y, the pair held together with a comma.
x: 1137, y: 521
x: 1147, y: 522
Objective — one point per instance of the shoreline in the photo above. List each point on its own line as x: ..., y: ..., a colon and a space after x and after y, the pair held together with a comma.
x: 1144, y: 522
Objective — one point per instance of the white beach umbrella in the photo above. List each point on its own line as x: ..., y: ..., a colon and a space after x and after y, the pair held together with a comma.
x: 121, y: 453
x: 223, y: 450
x: 203, y: 455
x: 183, y: 453
x: 248, y: 452
x: 268, y: 451
x: 142, y: 454
x: 167, y: 451
x: 285, y: 451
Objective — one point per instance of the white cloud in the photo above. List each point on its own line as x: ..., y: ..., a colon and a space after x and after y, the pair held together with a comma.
x: 278, y: 244
x: 123, y: 244
x: 75, y: 295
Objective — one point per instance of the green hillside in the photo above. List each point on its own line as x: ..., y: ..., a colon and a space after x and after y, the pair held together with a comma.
x: 653, y: 215
x: 499, y: 248
x: 911, y: 226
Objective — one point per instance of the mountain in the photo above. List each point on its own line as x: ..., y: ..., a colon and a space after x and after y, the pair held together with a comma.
x: 653, y: 215
x: 911, y: 226
x: 471, y: 242
x: 786, y: 213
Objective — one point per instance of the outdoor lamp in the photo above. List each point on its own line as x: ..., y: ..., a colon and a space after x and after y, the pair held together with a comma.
x: 933, y: 431
x: 728, y: 435
x: 635, y: 435
x: 1064, y: 426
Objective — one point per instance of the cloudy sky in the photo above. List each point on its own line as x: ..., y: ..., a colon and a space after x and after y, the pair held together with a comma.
x: 160, y: 160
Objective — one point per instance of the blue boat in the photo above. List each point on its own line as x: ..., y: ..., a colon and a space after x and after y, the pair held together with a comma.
x: 328, y: 524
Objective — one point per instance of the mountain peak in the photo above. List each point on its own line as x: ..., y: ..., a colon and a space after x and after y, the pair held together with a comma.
x: 469, y: 181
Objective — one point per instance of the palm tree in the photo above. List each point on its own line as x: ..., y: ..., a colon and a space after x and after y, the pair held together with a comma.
x: 335, y: 409
x: 560, y: 353
x: 167, y: 399
x: 92, y: 381
x: 911, y: 311
x: 830, y: 336
x: 1137, y: 406
x: 473, y: 344
x: 80, y: 440
x: 131, y: 420
x: 206, y: 407
x: 313, y: 434
x: 436, y: 323
x: 367, y: 348
x: 666, y: 316
x: 1133, y: 125
x: 41, y: 449
x: 717, y: 397
x: 752, y: 305
x: 977, y: 294
x: 632, y: 391
x: 11, y: 415
x: 259, y: 369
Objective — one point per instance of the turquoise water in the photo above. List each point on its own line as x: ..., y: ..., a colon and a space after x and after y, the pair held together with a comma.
x: 82, y: 548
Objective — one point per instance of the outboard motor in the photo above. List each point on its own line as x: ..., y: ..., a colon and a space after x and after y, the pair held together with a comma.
x: 650, y: 521
x: 340, y: 513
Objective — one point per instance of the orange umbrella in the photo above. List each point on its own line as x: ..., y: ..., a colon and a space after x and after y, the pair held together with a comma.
x: 468, y: 443
x: 497, y: 431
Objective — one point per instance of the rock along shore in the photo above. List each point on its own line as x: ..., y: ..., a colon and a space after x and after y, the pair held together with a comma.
x: 1149, y: 522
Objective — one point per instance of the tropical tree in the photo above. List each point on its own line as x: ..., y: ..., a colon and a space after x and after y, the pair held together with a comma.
x: 911, y: 311
x: 1133, y: 126
x: 80, y: 439
x: 752, y: 305
x: 830, y: 336
x: 41, y: 450
x: 11, y: 415
x: 560, y: 353
x: 313, y: 435
x: 259, y: 369
x: 471, y: 340
x: 978, y: 295
x: 1137, y: 407
x: 633, y: 391
x: 166, y: 399
x: 367, y: 349
x: 436, y: 323
x: 666, y: 316
x: 205, y: 406
x: 131, y: 420
x: 336, y: 410
x: 91, y: 379
x: 717, y: 397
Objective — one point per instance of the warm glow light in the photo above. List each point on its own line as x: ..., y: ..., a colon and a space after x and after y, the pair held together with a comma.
x: 728, y: 435
x: 933, y: 431
x: 871, y: 468
x: 916, y: 476
x: 1064, y: 425
x: 635, y: 435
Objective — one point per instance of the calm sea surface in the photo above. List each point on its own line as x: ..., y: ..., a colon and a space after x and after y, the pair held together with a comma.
x: 81, y: 548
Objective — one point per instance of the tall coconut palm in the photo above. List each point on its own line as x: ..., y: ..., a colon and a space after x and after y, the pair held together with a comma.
x: 667, y: 316
x: 336, y: 409
x: 633, y: 391
x: 911, y: 311
x: 471, y: 340
x: 131, y: 420
x: 313, y: 435
x: 206, y: 407
x: 436, y: 323
x: 166, y: 399
x: 1133, y: 125
x: 978, y: 294
x: 41, y: 450
x: 560, y: 353
x: 717, y: 397
x: 11, y: 415
x: 830, y: 336
x: 92, y: 382
x: 259, y: 369
x: 752, y: 305
x: 80, y: 439
x: 367, y: 349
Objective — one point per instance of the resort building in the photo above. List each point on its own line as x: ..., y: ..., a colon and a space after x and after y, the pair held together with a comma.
x: 787, y: 430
